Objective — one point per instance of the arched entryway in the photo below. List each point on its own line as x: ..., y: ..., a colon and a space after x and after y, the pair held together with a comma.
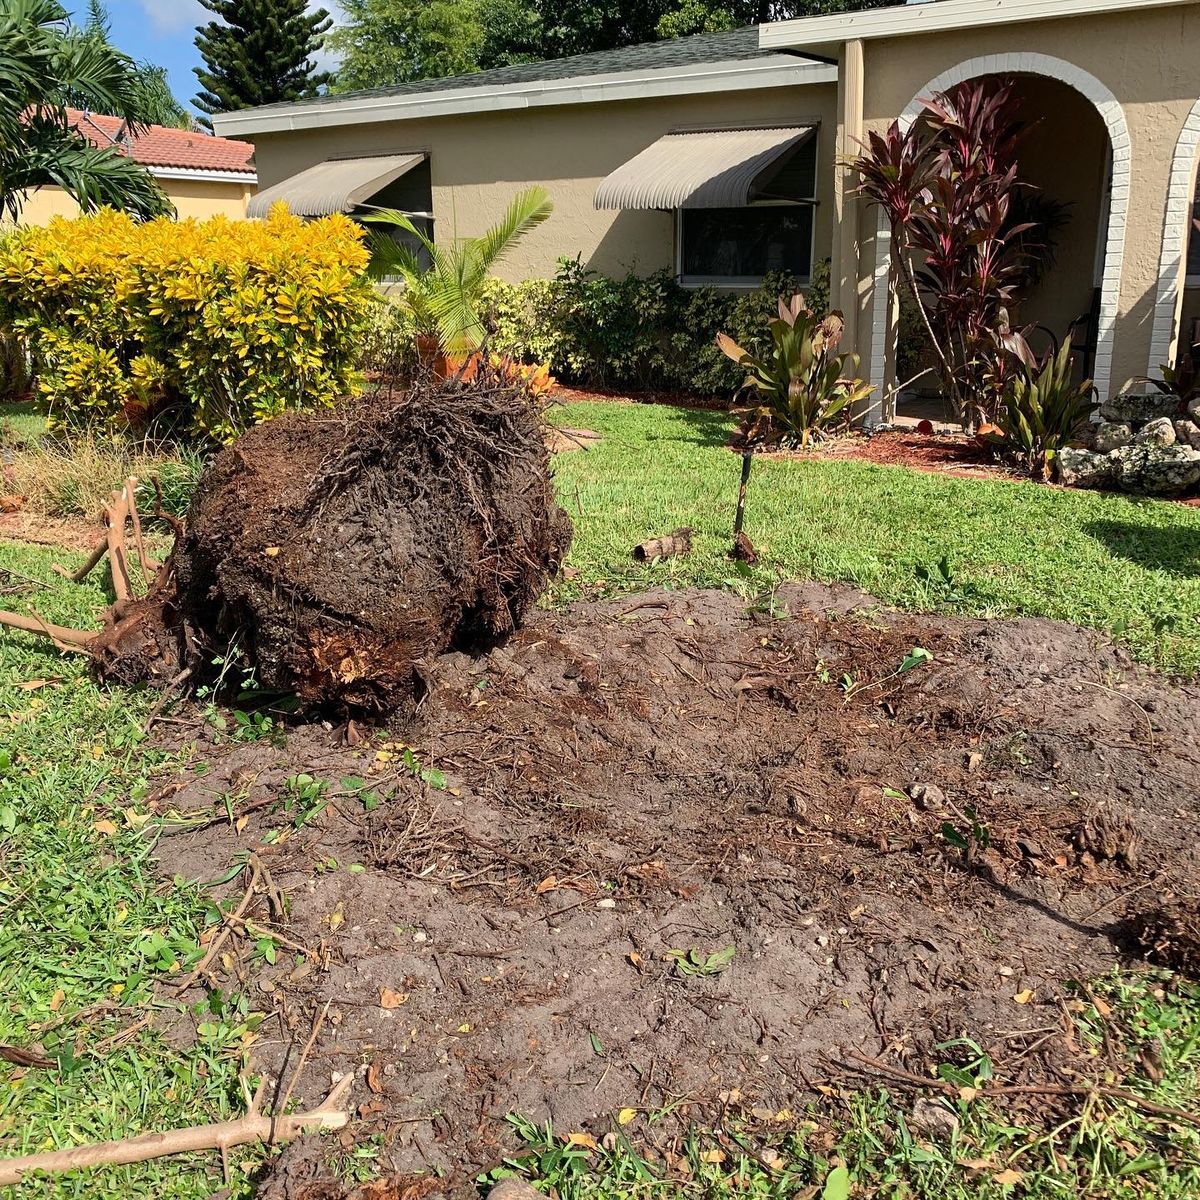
x: 1111, y: 196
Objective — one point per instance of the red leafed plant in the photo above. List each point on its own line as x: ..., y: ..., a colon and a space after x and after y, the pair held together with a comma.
x: 946, y: 186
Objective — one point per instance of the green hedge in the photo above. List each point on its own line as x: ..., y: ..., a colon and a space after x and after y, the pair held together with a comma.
x: 640, y: 333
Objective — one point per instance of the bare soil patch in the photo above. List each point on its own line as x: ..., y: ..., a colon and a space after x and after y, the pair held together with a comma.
x: 679, y: 772
x: 39, y: 530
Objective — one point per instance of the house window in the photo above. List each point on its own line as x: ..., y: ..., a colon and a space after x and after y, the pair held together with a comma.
x: 1193, y: 255
x: 737, y: 247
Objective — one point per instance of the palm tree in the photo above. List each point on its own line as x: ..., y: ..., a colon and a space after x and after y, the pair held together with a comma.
x: 43, y: 60
x: 443, y: 297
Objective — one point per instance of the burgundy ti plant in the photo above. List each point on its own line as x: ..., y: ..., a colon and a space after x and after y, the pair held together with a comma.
x: 946, y: 186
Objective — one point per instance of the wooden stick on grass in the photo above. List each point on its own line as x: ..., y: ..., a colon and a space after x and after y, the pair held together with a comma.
x: 65, y: 639
x: 223, y: 1136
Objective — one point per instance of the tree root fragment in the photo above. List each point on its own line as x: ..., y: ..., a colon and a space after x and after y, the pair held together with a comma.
x: 253, y: 1127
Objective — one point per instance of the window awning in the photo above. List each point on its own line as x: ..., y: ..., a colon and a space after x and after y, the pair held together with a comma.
x: 335, y: 185
x: 708, y: 169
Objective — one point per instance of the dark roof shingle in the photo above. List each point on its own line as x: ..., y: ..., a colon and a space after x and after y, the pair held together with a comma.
x: 697, y: 49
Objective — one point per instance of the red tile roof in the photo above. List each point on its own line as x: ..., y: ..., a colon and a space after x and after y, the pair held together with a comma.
x: 158, y: 146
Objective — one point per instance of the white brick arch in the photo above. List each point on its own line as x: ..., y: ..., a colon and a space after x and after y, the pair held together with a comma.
x: 1176, y: 230
x: 1113, y: 116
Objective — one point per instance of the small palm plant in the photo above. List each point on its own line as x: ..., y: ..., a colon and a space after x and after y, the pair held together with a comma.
x: 1044, y: 409
x: 443, y: 298
x: 804, y: 384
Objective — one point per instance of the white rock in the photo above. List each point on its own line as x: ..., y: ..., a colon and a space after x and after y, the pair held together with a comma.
x: 1159, y: 432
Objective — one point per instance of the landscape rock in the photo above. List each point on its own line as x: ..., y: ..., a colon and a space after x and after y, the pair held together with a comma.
x: 1187, y: 433
x: 514, y: 1189
x: 1193, y: 410
x: 933, y: 1119
x: 1157, y: 470
x: 1159, y: 432
x: 1136, y: 408
x: 1111, y: 435
x: 1086, y: 469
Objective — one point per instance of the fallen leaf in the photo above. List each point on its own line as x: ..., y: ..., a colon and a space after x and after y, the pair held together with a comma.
x: 33, y: 685
x: 1024, y: 997
x: 374, y: 1076
x: 57, y: 999
x: 635, y: 958
x: 1008, y: 1178
x: 967, y: 1094
x: 583, y: 1140
x: 547, y: 885
x: 271, y: 551
x: 241, y: 823
x: 105, y: 827
x: 712, y: 1156
x: 626, y: 1115
x: 389, y: 999
x: 337, y: 918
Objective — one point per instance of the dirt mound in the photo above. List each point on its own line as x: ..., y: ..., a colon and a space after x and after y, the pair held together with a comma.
x: 334, y: 552
x: 690, y: 844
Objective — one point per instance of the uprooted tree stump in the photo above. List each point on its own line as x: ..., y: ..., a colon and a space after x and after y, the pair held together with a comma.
x: 331, y: 553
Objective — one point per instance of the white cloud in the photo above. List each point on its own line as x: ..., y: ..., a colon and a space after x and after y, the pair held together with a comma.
x: 173, y: 16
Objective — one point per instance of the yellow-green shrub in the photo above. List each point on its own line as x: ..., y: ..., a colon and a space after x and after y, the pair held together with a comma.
x: 222, y: 323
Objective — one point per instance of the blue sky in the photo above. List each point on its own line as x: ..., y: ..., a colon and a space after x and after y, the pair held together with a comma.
x: 160, y: 31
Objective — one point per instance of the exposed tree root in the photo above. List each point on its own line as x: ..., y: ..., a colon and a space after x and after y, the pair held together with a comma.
x: 330, y: 554
x: 253, y: 1127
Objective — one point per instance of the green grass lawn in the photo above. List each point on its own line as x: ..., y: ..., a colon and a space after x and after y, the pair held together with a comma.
x: 20, y: 423
x: 1125, y: 566
x: 85, y: 921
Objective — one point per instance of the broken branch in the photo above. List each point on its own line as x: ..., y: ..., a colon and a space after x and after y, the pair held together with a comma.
x: 222, y: 1136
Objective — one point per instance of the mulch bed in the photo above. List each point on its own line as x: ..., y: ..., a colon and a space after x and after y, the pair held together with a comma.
x: 676, y: 772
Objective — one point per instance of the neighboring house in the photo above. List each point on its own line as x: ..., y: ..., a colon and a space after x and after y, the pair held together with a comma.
x: 202, y: 176
x: 719, y: 157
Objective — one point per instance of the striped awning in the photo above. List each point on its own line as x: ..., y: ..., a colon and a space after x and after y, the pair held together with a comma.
x: 705, y: 169
x: 335, y: 185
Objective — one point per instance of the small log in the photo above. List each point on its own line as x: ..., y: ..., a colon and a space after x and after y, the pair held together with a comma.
x: 223, y: 1136
x: 679, y: 542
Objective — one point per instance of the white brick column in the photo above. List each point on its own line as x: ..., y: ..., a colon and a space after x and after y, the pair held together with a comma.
x: 1177, y: 227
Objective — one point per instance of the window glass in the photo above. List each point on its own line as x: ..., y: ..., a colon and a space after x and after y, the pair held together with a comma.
x: 1193, y: 258
x: 741, y: 245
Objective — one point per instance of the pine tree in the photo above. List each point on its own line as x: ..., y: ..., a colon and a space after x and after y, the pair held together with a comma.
x: 258, y: 52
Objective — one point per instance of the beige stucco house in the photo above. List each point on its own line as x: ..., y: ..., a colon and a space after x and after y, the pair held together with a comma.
x: 719, y: 157
x: 202, y: 176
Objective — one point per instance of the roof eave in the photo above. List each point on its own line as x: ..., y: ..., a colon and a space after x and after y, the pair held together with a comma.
x: 777, y: 70
x: 824, y: 35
